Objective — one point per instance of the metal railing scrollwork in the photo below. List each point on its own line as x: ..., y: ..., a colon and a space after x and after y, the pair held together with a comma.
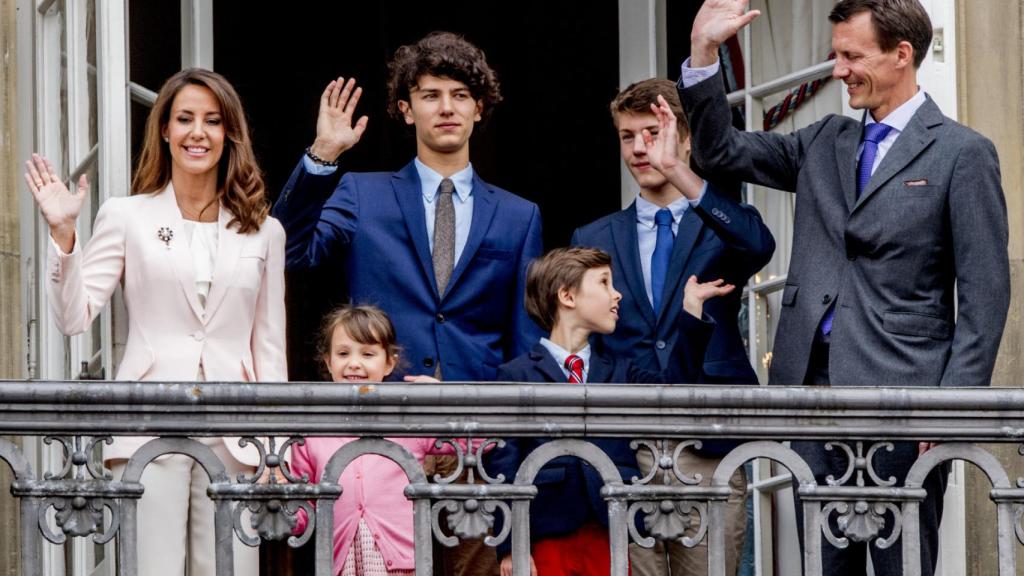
x: 83, y: 499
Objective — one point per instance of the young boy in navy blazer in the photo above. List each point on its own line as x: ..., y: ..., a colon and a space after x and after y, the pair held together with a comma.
x: 570, y: 293
x: 680, y: 225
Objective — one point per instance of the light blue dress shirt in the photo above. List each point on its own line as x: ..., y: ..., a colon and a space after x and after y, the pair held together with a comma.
x: 647, y: 231
x: 430, y: 181
x: 560, y: 354
x: 898, y: 118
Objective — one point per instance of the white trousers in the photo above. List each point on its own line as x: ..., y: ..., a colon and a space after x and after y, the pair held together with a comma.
x: 175, y: 517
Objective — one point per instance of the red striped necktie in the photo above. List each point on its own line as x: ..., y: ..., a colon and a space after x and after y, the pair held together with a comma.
x: 574, y: 364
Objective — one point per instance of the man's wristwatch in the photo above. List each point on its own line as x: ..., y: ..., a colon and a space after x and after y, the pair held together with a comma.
x: 318, y: 160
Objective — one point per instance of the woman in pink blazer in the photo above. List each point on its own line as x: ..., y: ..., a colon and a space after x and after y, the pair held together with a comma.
x: 202, y: 265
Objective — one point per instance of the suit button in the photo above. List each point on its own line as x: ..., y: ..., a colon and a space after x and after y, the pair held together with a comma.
x: 660, y: 344
x: 851, y: 257
x: 439, y: 318
x: 428, y: 362
x: 826, y: 299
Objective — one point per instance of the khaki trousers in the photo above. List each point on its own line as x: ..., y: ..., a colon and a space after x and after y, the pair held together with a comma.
x: 672, y: 558
x: 175, y: 517
x: 469, y: 557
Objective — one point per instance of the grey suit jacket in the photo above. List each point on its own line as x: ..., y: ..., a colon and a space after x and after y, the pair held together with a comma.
x: 932, y: 215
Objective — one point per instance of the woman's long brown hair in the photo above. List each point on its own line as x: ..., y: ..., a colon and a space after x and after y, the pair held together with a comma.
x: 240, y: 184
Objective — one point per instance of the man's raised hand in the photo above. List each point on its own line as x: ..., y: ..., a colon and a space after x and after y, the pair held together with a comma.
x: 716, y: 22
x: 335, y: 132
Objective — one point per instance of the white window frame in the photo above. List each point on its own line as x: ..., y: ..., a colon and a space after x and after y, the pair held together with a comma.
x: 51, y: 355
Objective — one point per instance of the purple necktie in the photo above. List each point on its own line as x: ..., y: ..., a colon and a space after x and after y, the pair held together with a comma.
x: 873, y: 135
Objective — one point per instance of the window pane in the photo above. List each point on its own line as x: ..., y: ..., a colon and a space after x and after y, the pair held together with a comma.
x: 154, y: 41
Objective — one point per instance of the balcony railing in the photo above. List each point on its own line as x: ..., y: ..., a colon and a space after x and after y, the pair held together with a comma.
x: 857, y: 421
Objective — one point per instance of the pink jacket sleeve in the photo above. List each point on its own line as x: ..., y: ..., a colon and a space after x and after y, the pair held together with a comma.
x: 268, y: 332
x: 79, y: 284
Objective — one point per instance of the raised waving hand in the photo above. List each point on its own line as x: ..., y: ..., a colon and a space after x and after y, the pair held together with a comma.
x: 695, y: 294
x: 663, y: 147
x: 335, y: 131
x: 60, y: 206
x: 716, y: 22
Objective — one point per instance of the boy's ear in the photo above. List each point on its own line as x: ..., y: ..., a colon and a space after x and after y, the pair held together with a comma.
x: 567, y: 297
x: 685, y: 149
x: 406, y: 109
x: 479, y: 111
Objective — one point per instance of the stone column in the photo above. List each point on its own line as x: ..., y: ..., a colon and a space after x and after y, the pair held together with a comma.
x: 11, y: 344
x: 991, y: 101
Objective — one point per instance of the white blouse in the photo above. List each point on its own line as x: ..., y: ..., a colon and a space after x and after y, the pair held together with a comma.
x: 202, y: 241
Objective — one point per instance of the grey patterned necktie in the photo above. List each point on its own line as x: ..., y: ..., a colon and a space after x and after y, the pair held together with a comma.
x: 444, y: 235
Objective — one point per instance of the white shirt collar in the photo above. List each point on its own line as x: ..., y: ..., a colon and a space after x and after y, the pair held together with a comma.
x: 900, y: 117
x: 560, y: 354
x: 431, y: 181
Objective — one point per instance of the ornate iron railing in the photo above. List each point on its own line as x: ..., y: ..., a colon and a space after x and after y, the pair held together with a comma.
x: 857, y: 421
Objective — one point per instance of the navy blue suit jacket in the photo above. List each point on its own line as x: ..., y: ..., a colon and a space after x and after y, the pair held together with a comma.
x: 568, y: 489
x: 374, y: 224
x: 720, y: 238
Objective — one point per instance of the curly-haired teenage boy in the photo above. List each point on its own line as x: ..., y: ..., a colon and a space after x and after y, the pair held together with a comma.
x: 433, y: 245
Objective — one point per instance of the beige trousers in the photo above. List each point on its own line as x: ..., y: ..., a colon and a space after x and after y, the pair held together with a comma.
x: 175, y: 517
x: 471, y: 557
x: 672, y: 558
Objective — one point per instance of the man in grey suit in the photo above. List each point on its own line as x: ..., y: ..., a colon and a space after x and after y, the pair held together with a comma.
x: 892, y: 211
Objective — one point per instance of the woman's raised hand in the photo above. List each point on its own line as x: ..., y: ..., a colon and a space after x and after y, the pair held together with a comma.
x: 60, y: 206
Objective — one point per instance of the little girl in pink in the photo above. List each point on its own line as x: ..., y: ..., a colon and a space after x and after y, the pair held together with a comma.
x: 373, y: 520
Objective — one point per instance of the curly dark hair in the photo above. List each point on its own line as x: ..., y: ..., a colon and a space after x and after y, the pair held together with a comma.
x: 445, y: 55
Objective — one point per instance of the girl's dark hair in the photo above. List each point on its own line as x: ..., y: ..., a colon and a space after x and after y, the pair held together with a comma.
x: 365, y: 324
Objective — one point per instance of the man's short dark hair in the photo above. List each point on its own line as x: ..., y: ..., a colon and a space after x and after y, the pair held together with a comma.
x: 638, y: 97
x: 558, y: 269
x: 444, y: 55
x: 895, y: 21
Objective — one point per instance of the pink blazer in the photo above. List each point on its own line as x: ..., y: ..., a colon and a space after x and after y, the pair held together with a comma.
x: 140, y: 241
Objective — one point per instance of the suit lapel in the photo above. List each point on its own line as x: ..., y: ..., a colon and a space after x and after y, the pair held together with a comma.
x: 229, y: 247
x: 484, y: 207
x: 908, y: 145
x: 177, y: 249
x: 686, y: 238
x: 600, y: 369
x: 546, y: 365
x: 846, y: 160
x: 627, y: 254
x: 409, y: 196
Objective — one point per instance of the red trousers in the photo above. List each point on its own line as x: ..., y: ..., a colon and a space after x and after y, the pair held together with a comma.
x: 585, y: 552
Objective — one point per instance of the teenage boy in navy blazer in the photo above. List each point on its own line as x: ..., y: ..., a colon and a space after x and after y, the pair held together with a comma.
x: 570, y: 293
x: 680, y: 225
x: 441, y: 251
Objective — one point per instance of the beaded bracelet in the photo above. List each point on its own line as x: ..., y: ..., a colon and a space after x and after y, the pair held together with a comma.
x: 318, y: 160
